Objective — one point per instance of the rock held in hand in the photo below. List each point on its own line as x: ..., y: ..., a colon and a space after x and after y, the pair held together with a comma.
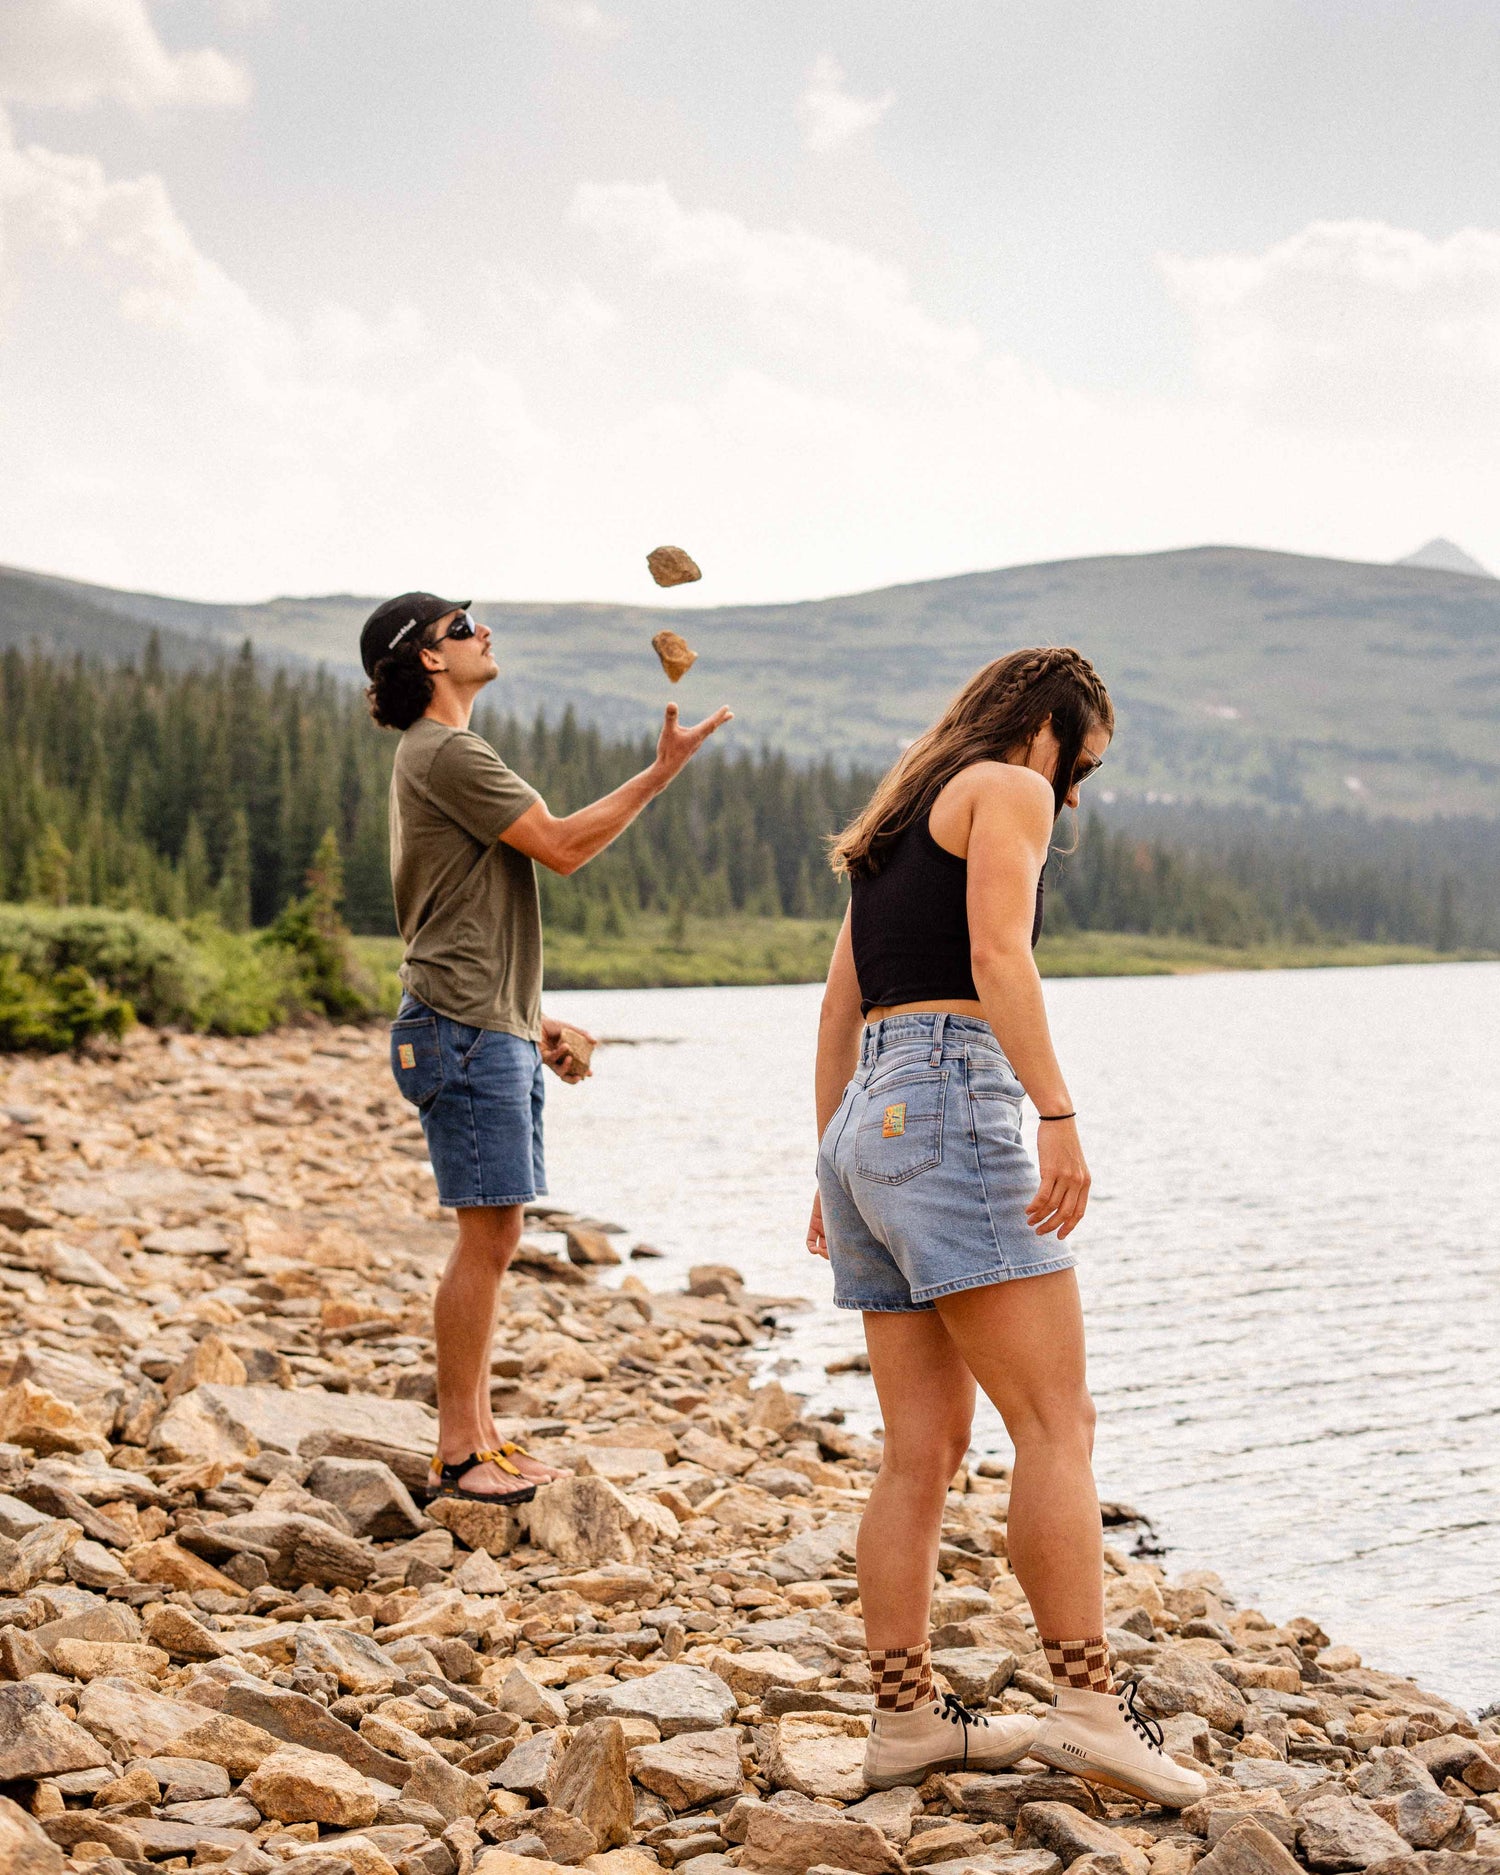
x: 677, y: 656
x: 579, y: 1048
x: 670, y: 566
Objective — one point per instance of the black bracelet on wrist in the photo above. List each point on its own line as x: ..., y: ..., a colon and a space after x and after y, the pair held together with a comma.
x: 1057, y: 1116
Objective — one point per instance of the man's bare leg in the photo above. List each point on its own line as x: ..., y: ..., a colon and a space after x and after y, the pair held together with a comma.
x: 463, y: 1317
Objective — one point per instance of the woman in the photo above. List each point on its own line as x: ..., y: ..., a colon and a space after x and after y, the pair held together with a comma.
x: 937, y: 1228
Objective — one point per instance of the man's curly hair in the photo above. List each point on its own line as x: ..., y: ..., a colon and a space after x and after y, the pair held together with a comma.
x: 401, y: 688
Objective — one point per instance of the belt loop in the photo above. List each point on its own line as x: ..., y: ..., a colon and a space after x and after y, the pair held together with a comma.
x: 935, y: 1058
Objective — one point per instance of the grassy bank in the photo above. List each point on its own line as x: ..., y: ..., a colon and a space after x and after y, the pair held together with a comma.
x: 793, y: 950
x: 658, y: 954
x: 1128, y: 954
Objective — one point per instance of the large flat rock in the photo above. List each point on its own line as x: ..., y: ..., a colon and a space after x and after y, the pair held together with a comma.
x: 303, y: 1422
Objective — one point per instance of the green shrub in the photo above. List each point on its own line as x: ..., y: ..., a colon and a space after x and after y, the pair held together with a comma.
x: 60, y: 1011
x: 149, y: 961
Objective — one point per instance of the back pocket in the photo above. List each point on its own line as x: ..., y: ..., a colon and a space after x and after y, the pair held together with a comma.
x: 416, y: 1060
x: 901, y: 1133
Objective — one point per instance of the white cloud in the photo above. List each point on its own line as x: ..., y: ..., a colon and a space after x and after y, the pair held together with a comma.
x: 830, y: 113
x: 583, y: 19
x: 82, y: 52
x: 1353, y: 326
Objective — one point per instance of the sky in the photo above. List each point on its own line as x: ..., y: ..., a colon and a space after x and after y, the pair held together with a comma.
x: 493, y: 296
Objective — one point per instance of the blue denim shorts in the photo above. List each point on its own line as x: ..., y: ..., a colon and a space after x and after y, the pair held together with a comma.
x: 923, y: 1176
x: 478, y: 1094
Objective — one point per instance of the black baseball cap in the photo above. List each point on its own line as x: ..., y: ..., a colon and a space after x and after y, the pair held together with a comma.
x: 393, y: 623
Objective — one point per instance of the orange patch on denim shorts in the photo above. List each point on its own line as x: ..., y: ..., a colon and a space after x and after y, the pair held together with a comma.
x: 406, y: 1054
x: 895, y: 1121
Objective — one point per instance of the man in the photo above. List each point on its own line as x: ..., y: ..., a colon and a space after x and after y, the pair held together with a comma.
x: 470, y: 1040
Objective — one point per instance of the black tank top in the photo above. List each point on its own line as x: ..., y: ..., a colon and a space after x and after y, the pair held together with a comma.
x: 910, y: 925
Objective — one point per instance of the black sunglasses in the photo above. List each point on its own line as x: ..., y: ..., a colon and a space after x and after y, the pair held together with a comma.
x: 1084, y: 769
x: 462, y: 627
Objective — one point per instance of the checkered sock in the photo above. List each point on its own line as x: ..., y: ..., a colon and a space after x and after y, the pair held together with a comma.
x: 902, y: 1676
x: 1081, y: 1663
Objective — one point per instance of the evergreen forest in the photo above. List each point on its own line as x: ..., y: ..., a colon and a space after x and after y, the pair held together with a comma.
x: 209, y: 791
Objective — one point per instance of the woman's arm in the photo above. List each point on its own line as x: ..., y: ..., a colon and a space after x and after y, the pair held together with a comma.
x: 1009, y: 834
x: 839, y: 1024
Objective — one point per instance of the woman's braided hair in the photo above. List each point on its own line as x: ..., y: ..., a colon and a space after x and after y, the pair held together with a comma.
x: 994, y: 718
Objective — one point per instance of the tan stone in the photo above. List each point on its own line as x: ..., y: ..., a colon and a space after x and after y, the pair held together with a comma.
x: 752, y: 1671
x: 212, y: 1362
x: 490, y: 1527
x: 676, y: 655
x: 297, y: 1786
x: 182, y: 1635
x: 593, y: 1782
x: 1246, y: 1849
x: 167, y: 1562
x: 88, y: 1660
x: 25, y: 1847
x: 782, y: 1842
x: 235, y: 1744
x: 36, y: 1418
x: 502, y: 1862
x: 672, y: 566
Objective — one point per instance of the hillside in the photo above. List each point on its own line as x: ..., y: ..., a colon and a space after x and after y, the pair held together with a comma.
x: 1240, y: 675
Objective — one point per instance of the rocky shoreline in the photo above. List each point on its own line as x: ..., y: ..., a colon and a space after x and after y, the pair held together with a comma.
x: 229, y: 1636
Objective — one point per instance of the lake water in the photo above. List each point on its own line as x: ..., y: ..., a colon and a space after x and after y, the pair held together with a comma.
x: 1291, y: 1264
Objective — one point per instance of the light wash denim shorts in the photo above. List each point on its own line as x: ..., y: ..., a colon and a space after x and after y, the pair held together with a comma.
x: 924, y: 1179
x: 478, y: 1094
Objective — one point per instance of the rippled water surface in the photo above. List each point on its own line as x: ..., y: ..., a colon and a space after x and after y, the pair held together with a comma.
x: 1291, y: 1266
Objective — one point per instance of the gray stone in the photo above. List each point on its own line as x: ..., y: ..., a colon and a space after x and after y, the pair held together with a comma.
x: 975, y: 1673
x: 1338, y: 1831
x: 891, y: 1811
x: 1248, y: 1848
x: 186, y: 1780
x: 36, y: 1740
x: 302, y: 1721
x: 675, y: 1699
x: 302, y: 1423
x: 375, y: 1501
x: 1069, y: 1834
x: 1180, y: 1683
x: 531, y: 1769
x: 538, y: 1705
x: 814, y: 1554
x: 135, y: 1723
x: 691, y: 1769
x: 358, y: 1663
x: 214, y: 1813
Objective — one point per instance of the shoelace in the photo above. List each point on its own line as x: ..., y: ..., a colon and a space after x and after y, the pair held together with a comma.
x: 957, y: 1713
x: 1147, y: 1727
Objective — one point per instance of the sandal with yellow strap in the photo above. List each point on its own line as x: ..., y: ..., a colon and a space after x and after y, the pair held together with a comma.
x: 442, y: 1479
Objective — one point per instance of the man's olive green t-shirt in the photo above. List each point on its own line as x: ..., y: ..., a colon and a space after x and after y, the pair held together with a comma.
x: 466, y: 905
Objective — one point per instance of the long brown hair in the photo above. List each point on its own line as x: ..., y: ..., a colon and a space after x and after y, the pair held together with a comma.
x: 999, y: 711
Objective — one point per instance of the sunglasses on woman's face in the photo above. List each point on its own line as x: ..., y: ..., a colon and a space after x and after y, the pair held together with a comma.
x: 1088, y: 766
x: 462, y: 627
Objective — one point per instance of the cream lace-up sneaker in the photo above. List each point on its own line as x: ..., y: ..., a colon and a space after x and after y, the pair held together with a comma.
x: 1104, y: 1738
x: 943, y: 1736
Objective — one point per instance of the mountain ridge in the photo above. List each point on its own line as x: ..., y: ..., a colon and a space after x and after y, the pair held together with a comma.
x: 1239, y: 673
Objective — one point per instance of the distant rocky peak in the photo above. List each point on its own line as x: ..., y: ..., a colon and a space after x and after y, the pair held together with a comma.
x: 1444, y: 556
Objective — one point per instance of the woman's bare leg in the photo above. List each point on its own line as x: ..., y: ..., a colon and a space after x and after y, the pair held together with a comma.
x: 1023, y: 1342
x: 926, y: 1398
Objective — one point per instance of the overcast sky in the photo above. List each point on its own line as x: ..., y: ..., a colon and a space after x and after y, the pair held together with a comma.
x: 495, y: 295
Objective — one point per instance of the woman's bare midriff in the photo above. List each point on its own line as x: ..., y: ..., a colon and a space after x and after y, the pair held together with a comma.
x: 967, y: 1007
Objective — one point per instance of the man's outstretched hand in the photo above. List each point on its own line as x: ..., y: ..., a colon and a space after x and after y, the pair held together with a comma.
x: 677, y: 746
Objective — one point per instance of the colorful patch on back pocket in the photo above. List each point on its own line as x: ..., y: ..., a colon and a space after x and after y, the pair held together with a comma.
x: 894, y: 1124
x: 406, y: 1054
